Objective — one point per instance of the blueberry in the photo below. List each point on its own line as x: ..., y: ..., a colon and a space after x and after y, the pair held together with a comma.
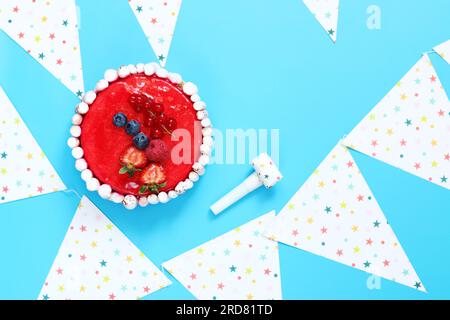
x: 119, y: 119
x: 141, y: 141
x: 132, y: 127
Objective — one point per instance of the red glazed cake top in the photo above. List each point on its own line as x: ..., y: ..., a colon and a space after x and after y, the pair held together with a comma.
x: 143, y: 136
x: 104, y: 143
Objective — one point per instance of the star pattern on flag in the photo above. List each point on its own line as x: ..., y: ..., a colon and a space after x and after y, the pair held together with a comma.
x: 409, y: 127
x: 157, y: 19
x: 239, y: 265
x: 335, y: 215
x: 24, y: 169
x: 48, y: 31
x: 96, y: 261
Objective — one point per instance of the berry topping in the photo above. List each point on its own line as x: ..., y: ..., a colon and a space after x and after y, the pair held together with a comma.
x: 171, y: 124
x: 149, y: 122
x: 157, y: 151
x: 156, y: 133
x: 132, y: 160
x: 161, y: 119
x: 132, y: 127
x: 157, y: 108
x: 119, y: 119
x: 137, y: 101
x: 152, y: 178
x: 140, y: 141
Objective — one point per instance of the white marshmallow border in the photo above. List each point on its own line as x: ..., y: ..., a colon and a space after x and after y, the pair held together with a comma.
x: 130, y: 201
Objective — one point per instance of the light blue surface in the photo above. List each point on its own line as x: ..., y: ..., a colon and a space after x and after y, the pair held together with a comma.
x: 258, y: 64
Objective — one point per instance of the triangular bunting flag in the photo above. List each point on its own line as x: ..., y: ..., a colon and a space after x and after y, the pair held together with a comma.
x: 240, y: 264
x: 48, y: 31
x: 326, y: 12
x: 410, y: 127
x: 157, y: 19
x: 443, y: 50
x: 335, y: 215
x: 96, y: 261
x: 24, y: 169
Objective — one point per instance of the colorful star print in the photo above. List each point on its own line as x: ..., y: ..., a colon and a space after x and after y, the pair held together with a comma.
x: 357, y: 235
x: 157, y: 19
x: 48, y: 31
x: 24, y: 169
x: 415, y: 138
x: 112, y: 269
x: 444, y: 50
x: 230, y: 266
x: 326, y: 12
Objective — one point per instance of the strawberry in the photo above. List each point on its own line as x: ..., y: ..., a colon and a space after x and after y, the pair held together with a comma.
x: 132, y: 160
x: 152, y: 178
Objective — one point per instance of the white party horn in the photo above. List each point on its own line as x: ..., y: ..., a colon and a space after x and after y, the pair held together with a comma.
x: 266, y: 174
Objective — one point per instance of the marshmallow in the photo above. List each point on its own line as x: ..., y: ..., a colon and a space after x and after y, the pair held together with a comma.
x: 77, y: 152
x: 104, y: 191
x: 116, y: 197
x: 101, y: 85
x: 86, y: 174
x: 162, y: 73
x: 197, y: 167
x: 111, y: 75
x: 89, y: 97
x: 132, y: 68
x: 143, y: 202
x: 206, y: 122
x: 203, y: 160
x: 92, y: 184
x: 153, y: 199
x: 189, y: 88
x: 163, y: 197
x: 77, y: 119
x: 123, y: 72
x: 140, y: 67
x: 199, y: 105
x: 82, y: 108
x: 205, y: 149
x: 180, y: 188
x: 175, y: 78
x: 81, y: 164
x: 75, y: 131
x: 193, y: 176
x: 188, y: 184
x: 73, y: 142
x: 149, y: 69
x: 207, y: 132
x: 195, y: 98
x: 202, y: 115
x: 172, y: 194
x: 130, y: 202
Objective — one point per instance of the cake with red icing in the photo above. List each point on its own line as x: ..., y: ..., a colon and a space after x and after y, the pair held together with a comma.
x: 142, y: 136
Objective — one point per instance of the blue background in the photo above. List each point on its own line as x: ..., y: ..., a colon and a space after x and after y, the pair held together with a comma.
x: 258, y: 64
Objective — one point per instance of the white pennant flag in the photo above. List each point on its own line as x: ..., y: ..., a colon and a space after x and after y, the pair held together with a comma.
x: 48, y: 31
x: 335, y: 215
x: 157, y: 19
x: 241, y: 264
x: 96, y: 261
x: 326, y: 12
x: 410, y: 127
x: 24, y: 169
x: 443, y: 50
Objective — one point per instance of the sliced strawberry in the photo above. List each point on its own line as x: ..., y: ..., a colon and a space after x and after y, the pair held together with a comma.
x: 152, y: 178
x: 132, y: 160
x: 153, y: 174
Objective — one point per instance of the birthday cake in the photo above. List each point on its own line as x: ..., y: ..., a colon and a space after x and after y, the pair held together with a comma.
x: 142, y: 136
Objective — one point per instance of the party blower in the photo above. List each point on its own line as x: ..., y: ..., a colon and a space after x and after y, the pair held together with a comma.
x: 266, y: 174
